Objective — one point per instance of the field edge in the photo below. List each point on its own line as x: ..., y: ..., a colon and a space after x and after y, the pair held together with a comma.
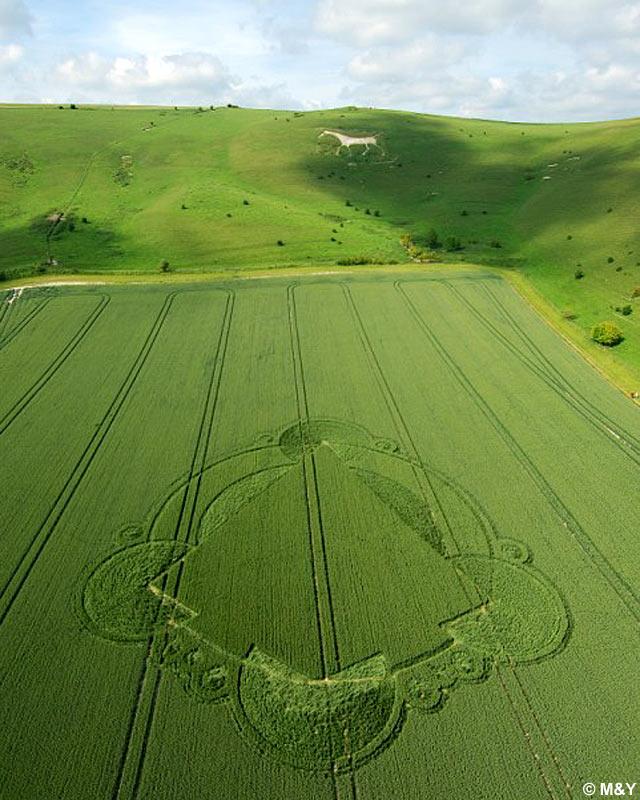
x: 604, y: 360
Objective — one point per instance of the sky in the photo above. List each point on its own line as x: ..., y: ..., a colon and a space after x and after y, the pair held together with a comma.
x: 533, y: 60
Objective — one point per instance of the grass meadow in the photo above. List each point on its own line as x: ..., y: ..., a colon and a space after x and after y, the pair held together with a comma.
x: 99, y: 189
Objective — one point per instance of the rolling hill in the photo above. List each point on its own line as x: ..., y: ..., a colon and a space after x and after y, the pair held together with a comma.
x: 365, y: 529
x: 99, y: 189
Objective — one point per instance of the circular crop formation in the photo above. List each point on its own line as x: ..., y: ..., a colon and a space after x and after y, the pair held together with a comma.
x: 339, y: 720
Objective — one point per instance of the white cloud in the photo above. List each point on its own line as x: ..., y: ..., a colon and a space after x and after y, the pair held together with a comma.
x: 573, y: 20
x: 10, y: 54
x: 406, y: 63
x: 190, y: 29
x: 191, y: 71
x: 367, y: 22
x: 15, y: 19
x: 545, y: 59
x: 185, y: 78
x: 581, y: 94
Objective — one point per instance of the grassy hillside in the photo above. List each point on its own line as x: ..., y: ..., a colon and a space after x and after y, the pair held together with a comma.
x: 219, y: 189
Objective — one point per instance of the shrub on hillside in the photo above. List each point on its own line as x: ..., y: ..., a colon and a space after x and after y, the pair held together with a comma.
x: 407, y: 241
x: 610, y: 260
x: 578, y: 274
x: 355, y: 261
x: 452, y: 243
x: 624, y: 310
x: 165, y: 266
x: 636, y: 292
x: 433, y: 240
x: 607, y: 334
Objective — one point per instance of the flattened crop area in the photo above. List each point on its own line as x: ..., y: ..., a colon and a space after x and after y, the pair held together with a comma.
x: 346, y: 539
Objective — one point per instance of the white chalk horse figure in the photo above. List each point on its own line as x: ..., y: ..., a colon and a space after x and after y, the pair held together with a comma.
x: 349, y: 141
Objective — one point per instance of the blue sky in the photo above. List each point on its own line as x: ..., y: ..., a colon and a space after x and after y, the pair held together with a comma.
x: 543, y: 60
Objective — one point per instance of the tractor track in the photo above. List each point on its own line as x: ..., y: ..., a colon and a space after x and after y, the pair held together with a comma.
x: 131, y: 764
x: 616, y: 581
x: 16, y: 581
x: 549, y: 374
x: 21, y: 404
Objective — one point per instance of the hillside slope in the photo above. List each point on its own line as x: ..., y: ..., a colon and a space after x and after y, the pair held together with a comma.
x: 234, y: 188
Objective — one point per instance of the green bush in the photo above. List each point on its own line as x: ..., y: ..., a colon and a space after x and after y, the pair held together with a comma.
x: 578, y: 274
x: 636, y: 292
x: 165, y: 266
x: 433, y: 240
x: 452, y: 243
x: 607, y: 334
x: 353, y: 261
